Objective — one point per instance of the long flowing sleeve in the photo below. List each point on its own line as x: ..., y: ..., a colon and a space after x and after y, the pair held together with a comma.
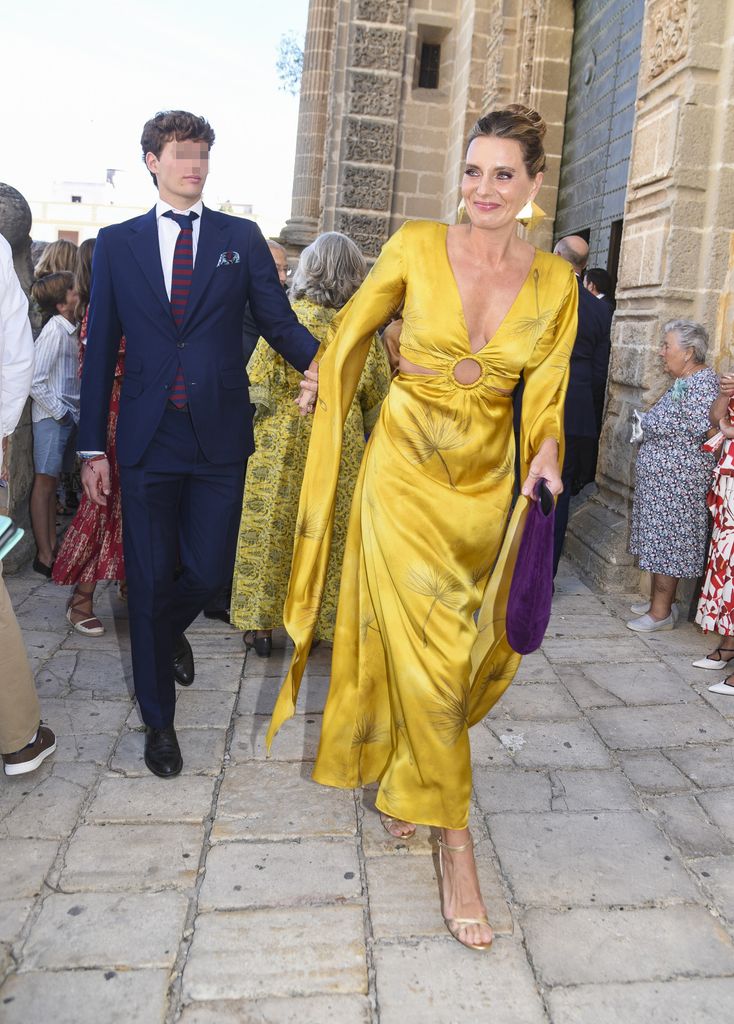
x: 339, y: 372
x: 546, y: 379
x: 374, y: 384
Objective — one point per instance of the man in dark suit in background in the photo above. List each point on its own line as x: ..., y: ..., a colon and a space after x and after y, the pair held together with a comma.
x: 586, y: 389
x: 175, y: 282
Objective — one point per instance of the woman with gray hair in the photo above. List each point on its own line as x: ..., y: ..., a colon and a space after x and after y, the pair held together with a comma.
x: 329, y: 272
x: 673, y: 475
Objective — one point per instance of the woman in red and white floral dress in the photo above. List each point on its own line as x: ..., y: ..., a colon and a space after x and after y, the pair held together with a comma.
x: 92, y: 546
x: 716, y: 606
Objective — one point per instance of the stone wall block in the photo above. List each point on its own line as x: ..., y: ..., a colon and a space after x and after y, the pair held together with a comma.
x: 368, y: 231
x: 653, y: 154
x: 373, y: 94
x: 378, y: 48
x: 381, y: 11
x: 370, y: 142
x: 365, y: 188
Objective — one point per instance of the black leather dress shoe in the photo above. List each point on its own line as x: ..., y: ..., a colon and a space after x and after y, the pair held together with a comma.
x: 162, y: 752
x: 183, y: 661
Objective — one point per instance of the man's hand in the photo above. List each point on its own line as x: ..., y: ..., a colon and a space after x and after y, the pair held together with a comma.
x: 96, y: 479
x: 309, y: 390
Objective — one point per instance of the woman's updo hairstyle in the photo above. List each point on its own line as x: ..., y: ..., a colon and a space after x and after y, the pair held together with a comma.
x: 523, y: 125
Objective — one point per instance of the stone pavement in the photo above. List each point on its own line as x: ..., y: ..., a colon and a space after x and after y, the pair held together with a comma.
x: 242, y: 892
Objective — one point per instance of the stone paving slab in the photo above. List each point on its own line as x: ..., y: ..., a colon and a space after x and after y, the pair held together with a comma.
x: 544, y: 701
x: 567, y: 859
x: 685, y: 823
x: 132, y: 857
x: 586, y: 693
x: 496, y: 986
x: 244, y: 875
x: 641, y: 683
x: 13, y: 914
x: 293, y: 1010
x: 652, y: 772
x: 86, y: 997
x: 552, y: 745
x: 297, y: 740
x: 298, y: 951
x: 709, y: 1001
x: 54, y: 808
x: 106, y: 930
x: 594, y: 946
x: 634, y: 728
x: 258, y: 694
x: 24, y: 864
x: 186, y: 799
x: 618, y: 649
x: 719, y: 806
x: 717, y: 877
x: 705, y: 766
x: 276, y: 801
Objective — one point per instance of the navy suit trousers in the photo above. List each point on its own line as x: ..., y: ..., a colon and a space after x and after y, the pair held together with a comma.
x: 176, y: 505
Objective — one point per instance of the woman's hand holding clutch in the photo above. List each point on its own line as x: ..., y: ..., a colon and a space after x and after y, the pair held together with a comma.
x: 544, y: 466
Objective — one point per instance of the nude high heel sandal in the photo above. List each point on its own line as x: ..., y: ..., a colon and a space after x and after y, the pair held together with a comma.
x: 455, y: 924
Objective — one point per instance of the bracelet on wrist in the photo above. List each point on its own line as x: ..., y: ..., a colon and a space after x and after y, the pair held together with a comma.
x: 95, y: 458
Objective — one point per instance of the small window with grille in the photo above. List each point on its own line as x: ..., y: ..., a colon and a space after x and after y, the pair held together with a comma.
x: 430, y: 63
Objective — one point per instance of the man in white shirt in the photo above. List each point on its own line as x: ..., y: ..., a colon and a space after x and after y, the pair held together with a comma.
x: 24, y: 742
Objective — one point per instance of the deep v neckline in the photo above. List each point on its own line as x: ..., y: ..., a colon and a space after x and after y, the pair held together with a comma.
x: 460, y: 301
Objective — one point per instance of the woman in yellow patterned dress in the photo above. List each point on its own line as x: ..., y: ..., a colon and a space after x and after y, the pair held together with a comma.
x: 329, y: 272
x: 429, y: 544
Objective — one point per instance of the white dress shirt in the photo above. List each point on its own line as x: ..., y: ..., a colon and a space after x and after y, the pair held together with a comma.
x: 168, y: 232
x: 16, y: 344
x: 56, y: 385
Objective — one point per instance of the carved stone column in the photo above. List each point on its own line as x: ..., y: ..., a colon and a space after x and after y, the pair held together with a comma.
x: 15, y: 226
x: 303, y: 225
x: 677, y: 258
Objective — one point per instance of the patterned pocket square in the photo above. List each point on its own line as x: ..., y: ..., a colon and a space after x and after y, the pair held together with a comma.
x: 228, y: 258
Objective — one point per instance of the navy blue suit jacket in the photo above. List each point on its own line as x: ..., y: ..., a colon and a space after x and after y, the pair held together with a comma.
x: 129, y: 297
x: 589, y: 365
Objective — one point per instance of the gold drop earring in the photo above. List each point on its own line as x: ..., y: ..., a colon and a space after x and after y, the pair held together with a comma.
x: 461, y: 215
x: 530, y: 215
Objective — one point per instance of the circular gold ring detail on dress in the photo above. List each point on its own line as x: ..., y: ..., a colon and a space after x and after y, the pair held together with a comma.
x: 467, y: 372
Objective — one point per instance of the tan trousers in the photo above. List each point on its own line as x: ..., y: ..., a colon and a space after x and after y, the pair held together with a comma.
x: 20, y: 712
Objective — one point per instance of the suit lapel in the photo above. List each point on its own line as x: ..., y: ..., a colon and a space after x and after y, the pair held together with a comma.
x: 212, y: 241
x: 147, y: 252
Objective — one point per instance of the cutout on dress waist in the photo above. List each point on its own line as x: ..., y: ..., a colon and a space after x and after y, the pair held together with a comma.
x: 467, y: 370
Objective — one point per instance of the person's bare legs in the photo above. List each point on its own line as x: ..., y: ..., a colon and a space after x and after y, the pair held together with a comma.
x: 662, y: 595
x: 461, y: 893
x: 43, y: 516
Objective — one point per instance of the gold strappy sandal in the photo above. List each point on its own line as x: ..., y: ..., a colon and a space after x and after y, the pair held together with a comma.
x: 455, y: 924
x: 387, y: 821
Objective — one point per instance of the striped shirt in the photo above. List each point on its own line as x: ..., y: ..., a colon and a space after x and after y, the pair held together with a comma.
x: 56, y: 385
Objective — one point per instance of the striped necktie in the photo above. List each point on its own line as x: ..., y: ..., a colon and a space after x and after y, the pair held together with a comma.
x: 183, y: 269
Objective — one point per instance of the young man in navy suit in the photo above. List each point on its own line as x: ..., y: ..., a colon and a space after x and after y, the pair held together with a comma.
x: 175, y: 282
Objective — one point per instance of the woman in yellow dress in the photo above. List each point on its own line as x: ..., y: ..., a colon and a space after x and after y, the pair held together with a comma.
x: 429, y: 544
x: 329, y: 272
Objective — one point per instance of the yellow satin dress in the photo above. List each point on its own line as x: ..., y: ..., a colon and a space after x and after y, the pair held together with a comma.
x: 428, y: 544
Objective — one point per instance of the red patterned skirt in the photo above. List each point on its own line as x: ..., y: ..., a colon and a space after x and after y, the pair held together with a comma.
x: 92, y: 546
x: 715, y: 612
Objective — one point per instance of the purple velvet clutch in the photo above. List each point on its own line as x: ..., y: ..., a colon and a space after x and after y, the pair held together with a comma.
x: 531, y: 590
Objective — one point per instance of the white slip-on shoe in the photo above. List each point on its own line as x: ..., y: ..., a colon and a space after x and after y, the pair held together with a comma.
x: 723, y: 687
x: 646, y: 624
x: 644, y: 606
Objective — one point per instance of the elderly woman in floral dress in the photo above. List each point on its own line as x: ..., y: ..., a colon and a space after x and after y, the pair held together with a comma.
x: 673, y: 474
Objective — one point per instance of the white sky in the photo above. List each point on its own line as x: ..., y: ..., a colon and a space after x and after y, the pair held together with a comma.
x: 79, y: 79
